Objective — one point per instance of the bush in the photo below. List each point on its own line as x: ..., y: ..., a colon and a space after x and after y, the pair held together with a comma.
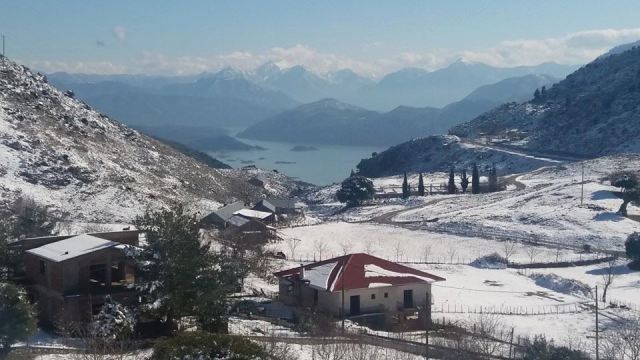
x: 541, y: 349
x: 632, y: 248
x: 203, y: 345
x: 491, y: 261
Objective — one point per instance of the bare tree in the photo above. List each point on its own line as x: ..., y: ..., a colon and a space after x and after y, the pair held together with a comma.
x: 622, y: 342
x: 487, y: 330
x: 293, y: 243
x: 452, y: 253
x: 399, y: 250
x: 607, y: 278
x: 426, y: 252
x: 346, y: 247
x: 532, y: 252
x: 320, y: 247
x: 509, y: 248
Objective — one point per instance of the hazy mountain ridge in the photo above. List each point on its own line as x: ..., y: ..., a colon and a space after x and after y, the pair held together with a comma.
x: 62, y: 153
x: 330, y: 121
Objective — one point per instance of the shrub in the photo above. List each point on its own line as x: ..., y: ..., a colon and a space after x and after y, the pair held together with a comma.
x: 17, y: 317
x: 632, y: 248
x: 541, y: 349
x: 203, y: 345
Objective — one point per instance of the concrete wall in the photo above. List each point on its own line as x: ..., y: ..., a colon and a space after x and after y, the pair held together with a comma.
x: 331, y: 302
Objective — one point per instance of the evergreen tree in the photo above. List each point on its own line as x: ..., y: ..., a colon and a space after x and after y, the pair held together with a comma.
x: 536, y: 94
x: 632, y: 249
x: 353, y: 173
x: 114, y: 322
x: 543, y: 91
x: 493, y: 179
x: 179, y: 275
x: 420, y: 185
x: 464, y: 181
x: 17, y: 317
x: 355, y: 190
x: 406, y: 190
x: 630, y: 185
x: 475, y: 180
x: 451, y: 187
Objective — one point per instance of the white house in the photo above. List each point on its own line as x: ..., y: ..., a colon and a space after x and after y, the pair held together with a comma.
x: 356, y: 284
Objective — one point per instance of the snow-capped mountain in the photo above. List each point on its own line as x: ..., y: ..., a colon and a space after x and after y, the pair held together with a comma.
x: 62, y: 153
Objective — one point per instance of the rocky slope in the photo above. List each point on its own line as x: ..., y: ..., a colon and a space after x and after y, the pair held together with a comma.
x: 594, y: 111
x: 62, y: 153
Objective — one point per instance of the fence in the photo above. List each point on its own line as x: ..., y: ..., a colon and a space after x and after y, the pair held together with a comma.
x: 507, y: 310
x: 579, y: 260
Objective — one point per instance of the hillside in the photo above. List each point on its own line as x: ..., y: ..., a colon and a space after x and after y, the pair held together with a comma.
x: 440, y: 153
x: 64, y: 154
x: 594, y: 111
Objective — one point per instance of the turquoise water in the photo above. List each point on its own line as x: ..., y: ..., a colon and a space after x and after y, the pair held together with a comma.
x: 326, y: 165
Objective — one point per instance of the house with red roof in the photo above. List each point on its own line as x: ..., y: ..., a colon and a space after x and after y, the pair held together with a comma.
x: 356, y: 284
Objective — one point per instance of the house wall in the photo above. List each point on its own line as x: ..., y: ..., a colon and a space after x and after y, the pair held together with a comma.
x: 331, y: 302
x: 63, y: 293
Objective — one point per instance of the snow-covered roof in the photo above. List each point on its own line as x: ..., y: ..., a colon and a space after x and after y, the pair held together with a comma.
x: 72, y: 247
x: 227, y: 211
x: 237, y: 220
x: 253, y: 214
x: 358, y: 271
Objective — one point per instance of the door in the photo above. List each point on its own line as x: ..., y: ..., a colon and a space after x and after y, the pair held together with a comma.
x: 408, y: 299
x: 355, y: 305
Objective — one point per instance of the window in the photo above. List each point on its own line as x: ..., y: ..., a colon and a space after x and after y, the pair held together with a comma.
x: 373, y: 296
x: 386, y: 295
x: 43, y: 267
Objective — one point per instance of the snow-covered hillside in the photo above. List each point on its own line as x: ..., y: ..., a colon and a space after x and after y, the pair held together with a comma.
x: 59, y: 151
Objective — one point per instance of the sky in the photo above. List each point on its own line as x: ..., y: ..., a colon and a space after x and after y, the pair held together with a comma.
x: 370, y: 37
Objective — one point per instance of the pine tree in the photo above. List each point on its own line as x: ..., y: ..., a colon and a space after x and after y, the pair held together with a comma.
x: 451, y: 187
x: 353, y: 173
x: 493, y: 179
x: 180, y: 275
x: 17, y: 317
x: 355, y: 190
x: 475, y: 180
x: 114, y: 322
x: 406, y: 191
x: 464, y: 181
x: 420, y: 185
x: 543, y: 91
x: 536, y: 94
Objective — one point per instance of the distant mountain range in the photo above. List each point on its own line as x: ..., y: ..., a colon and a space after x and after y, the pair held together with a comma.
x: 330, y: 121
x: 595, y: 111
x: 209, y: 105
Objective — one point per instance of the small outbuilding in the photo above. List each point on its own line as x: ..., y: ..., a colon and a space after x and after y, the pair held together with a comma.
x: 279, y: 206
x: 220, y: 218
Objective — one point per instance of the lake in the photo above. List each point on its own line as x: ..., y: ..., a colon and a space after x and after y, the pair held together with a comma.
x: 324, y: 166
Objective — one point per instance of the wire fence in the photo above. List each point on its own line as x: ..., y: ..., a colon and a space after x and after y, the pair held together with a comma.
x: 560, y: 261
x: 448, y: 308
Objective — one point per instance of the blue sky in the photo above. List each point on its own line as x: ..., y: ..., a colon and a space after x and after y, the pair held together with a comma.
x: 372, y: 37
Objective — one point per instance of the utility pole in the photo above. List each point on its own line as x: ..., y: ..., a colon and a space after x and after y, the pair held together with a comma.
x: 3, y: 55
x: 597, y: 328
x: 342, y: 306
x: 582, y: 185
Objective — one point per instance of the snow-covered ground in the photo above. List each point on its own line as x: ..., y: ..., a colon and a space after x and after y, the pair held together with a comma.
x: 400, y: 244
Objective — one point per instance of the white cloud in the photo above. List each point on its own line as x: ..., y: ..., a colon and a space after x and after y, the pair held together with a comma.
x: 574, y: 48
x: 120, y: 33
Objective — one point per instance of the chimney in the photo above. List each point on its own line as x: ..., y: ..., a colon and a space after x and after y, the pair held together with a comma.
x: 301, y: 271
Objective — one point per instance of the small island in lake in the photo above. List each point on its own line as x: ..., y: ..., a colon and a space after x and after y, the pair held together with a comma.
x: 303, y: 148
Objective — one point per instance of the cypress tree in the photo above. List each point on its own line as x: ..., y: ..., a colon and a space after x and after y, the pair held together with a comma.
x: 493, y: 179
x: 405, y: 187
x: 475, y: 180
x: 464, y: 181
x: 420, y: 185
x: 451, y: 187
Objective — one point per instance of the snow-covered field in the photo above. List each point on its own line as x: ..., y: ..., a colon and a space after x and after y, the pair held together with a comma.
x: 542, y: 207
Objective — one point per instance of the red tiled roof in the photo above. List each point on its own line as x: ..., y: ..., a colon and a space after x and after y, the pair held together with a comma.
x: 359, y: 271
